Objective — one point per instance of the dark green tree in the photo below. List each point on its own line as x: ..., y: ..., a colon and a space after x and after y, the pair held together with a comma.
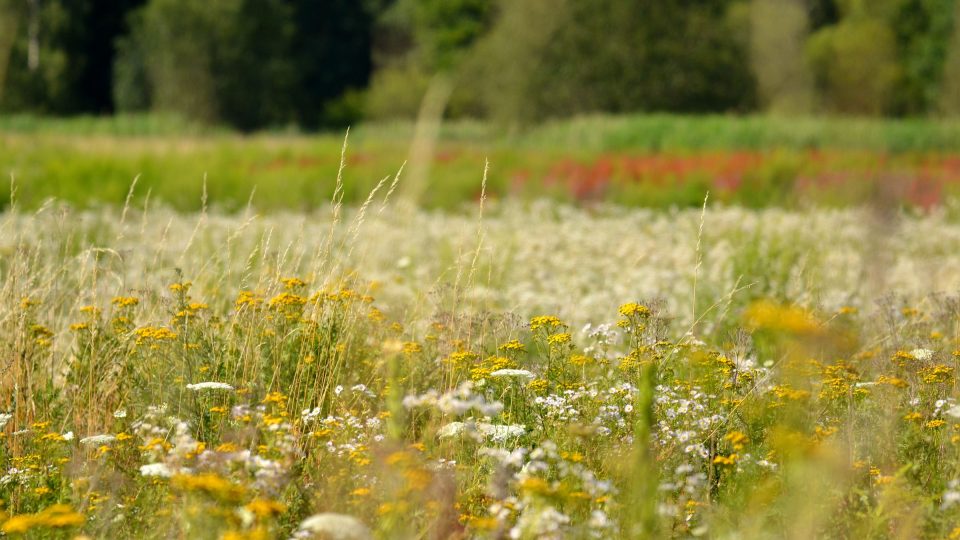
x: 582, y: 56
x: 331, y: 51
x: 215, y: 61
x: 59, y: 56
x: 444, y: 29
x: 922, y: 29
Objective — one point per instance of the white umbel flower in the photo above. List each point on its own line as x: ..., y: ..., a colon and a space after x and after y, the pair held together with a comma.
x: 209, y: 385
x: 98, y: 440
x: 922, y: 354
x: 336, y: 527
x: 512, y: 373
x: 492, y: 432
x: 156, y: 469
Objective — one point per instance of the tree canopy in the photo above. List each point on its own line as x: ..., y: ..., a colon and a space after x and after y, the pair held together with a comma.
x: 260, y: 63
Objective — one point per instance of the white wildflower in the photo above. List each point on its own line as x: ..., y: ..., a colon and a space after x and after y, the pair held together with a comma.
x: 156, y: 469
x: 512, y: 373
x: 452, y: 429
x: 493, y: 432
x: 501, y: 432
x: 336, y: 527
x: 209, y: 385
x: 97, y: 440
x: 950, y: 498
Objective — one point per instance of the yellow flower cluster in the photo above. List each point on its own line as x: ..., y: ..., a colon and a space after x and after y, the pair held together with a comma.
x: 248, y: 299
x: 286, y: 299
x: 726, y: 460
x: 634, y: 310
x: 546, y: 322
x: 182, y: 287
x: 124, y: 301
x: 538, y: 385
x: 57, y: 516
x: 939, y: 373
x: 461, y: 358
x: 736, y: 439
x: 148, y: 334
x: 212, y: 485
x: 513, y: 346
x: 265, y: 508
x: 293, y: 283
x: 767, y: 315
x: 491, y: 364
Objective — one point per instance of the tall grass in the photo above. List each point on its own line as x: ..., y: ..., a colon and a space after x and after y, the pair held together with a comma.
x: 540, y: 371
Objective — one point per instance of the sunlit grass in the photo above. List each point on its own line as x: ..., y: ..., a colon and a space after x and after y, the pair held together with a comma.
x: 544, y: 371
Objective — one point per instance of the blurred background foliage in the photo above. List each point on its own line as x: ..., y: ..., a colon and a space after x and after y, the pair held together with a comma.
x: 251, y: 64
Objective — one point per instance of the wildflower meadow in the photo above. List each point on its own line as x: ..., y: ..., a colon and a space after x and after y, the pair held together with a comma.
x: 510, y: 370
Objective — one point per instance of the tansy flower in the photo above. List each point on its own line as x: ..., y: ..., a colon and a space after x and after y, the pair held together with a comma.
x: 544, y: 321
x: 634, y: 309
x: 56, y: 516
x: 124, y: 301
x: 513, y: 346
x: 293, y: 283
x: 726, y: 460
x: 265, y: 508
x: 736, y: 439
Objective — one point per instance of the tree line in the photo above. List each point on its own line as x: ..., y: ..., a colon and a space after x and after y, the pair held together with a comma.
x: 262, y: 63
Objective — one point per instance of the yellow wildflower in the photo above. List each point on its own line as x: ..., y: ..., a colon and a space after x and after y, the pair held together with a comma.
x: 292, y: 283
x: 210, y: 484
x: 265, y: 508
x: 545, y: 322
x: 124, y: 301
x: 726, y: 460
x: 634, y: 310
x: 513, y: 346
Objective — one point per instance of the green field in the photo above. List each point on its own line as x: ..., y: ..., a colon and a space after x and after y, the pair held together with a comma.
x: 653, y: 161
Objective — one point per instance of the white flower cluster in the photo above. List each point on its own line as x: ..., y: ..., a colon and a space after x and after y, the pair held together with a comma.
x: 333, y: 527
x: 457, y: 402
x: 481, y: 431
x: 209, y: 385
x: 526, y: 516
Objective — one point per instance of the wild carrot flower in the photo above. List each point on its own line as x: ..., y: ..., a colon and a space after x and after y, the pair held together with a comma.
x: 209, y: 385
